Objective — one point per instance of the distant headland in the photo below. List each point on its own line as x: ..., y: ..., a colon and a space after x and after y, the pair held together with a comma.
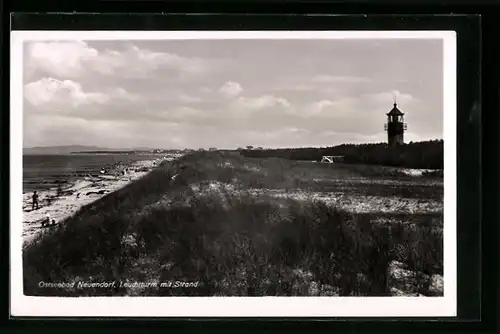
x: 82, y: 149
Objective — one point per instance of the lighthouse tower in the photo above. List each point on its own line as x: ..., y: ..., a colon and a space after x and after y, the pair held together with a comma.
x: 395, y: 127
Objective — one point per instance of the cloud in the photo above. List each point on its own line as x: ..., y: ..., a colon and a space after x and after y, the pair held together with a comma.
x: 318, y: 107
x: 357, y: 117
x: 396, y: 95
x: 47, y: 130
x: 362, y: 105
x: 196, y: 93
x: 230, y: 89
x: 300, y: 88
x: 349, y: 136
x: 62, y: 59
x: 186, y: 98
x: 331, y: 108
x: 49, y: 93
x: 73, y: 59
x: 60, y: 92
x: 339, y: 79
x: 179, y: 115
x: 322, y: 86
x: 233, y: 91
x: 262, y: 102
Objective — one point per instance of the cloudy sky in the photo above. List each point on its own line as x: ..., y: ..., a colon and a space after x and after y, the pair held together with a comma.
x: 228, y: 93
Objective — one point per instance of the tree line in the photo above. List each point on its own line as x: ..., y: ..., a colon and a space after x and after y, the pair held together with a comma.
x: 424, y: 154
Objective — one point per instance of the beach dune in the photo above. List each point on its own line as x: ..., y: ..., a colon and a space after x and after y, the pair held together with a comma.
x: 63, y: 202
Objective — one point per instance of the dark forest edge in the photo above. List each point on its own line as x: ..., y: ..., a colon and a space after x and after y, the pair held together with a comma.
x: 424, y: 154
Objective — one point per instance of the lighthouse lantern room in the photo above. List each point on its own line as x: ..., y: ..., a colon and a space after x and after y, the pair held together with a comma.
x: 395, y: 126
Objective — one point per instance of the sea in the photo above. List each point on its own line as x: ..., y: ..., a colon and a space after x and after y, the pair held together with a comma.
x: 42, y: 172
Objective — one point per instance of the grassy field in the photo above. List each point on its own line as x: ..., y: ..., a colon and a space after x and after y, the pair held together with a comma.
x: 251, y: 227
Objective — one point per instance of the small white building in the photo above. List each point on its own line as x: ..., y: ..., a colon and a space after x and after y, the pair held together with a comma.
x: 332, y: 159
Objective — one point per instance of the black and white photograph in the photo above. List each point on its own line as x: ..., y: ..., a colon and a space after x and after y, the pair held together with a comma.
x: 244, y: 170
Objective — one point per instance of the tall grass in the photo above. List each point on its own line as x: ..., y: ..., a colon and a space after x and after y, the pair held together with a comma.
x: 233, y: 245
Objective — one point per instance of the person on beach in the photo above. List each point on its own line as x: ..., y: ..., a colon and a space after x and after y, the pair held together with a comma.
x: 46, y: 221
x: 35, y: 201
x: 59, y: 190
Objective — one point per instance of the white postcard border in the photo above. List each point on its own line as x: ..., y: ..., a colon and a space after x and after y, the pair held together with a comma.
x: 233, y: 306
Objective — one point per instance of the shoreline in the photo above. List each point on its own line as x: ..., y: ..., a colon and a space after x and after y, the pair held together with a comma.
x: 81, y: 192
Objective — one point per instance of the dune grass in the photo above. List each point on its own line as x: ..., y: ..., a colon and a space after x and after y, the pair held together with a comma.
x: 158, y: 229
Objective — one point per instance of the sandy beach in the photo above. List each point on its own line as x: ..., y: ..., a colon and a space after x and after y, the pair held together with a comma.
x: 59, y: 204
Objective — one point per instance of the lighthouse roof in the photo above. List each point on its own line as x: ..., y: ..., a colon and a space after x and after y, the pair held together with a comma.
x: 395, y: 111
